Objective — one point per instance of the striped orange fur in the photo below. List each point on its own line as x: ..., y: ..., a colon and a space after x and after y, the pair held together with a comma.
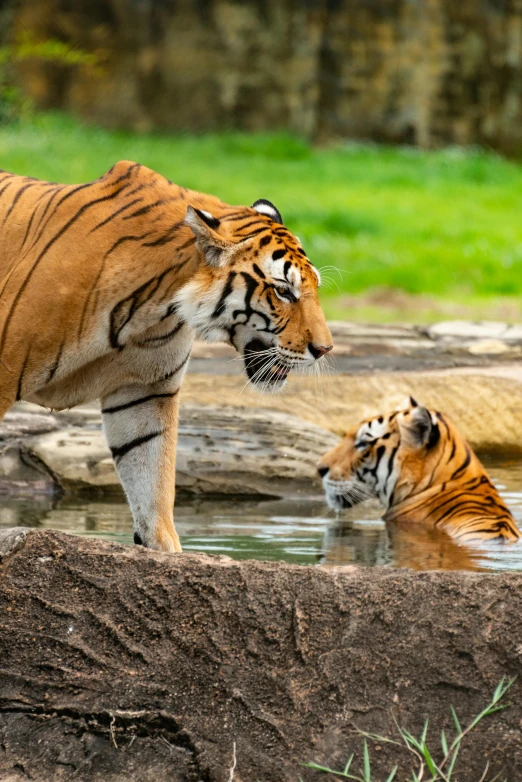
x: 103, y: 287
x: 422, y: 470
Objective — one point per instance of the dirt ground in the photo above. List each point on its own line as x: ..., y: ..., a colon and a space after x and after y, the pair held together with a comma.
x: 120, y: 663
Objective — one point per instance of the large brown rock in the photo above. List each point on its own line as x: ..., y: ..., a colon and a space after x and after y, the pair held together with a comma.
x: 118, y: 663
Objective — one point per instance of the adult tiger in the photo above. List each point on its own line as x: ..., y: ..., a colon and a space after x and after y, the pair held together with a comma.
x: 103, y: 287
x: 421, y: 469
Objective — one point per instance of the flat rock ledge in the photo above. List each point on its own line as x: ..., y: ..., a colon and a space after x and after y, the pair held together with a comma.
x: 221, y: 450
x: 119, y: 663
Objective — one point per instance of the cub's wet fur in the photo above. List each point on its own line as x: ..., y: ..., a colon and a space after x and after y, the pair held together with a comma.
x: 422, y: 471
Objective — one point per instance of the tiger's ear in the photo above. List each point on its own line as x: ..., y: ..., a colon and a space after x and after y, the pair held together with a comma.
x: 407, y: 403
x: 203, y: 225
x: 419, y: 428
x: 267, y: 208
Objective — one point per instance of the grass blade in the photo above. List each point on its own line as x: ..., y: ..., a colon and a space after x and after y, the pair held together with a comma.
x: 347, y: 767
x: 443, y: 742
x: 456, y: 720
x: 366, y: 760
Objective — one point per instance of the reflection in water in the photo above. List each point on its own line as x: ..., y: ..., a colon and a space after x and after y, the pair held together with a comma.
x: 298, y: 531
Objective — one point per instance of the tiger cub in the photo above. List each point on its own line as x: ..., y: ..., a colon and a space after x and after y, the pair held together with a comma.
x: 421, y: 469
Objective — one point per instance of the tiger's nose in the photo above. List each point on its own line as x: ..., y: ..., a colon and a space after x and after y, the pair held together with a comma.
x: 322, y: 470
x: 319, y: 350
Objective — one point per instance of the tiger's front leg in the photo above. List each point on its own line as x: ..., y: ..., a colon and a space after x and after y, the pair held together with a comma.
x: 141, y: 424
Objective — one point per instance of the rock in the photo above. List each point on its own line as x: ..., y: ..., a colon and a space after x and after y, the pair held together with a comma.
x: 11, y: 541
x: 221, y: 450
x: 120, y: 663
x: 241, y: 447
x: 20, y: 422
x: 491, y: 347
x: 77, y: 458
x: 226, y: 450
x: 363, y: 347
x: 463, y: 330
x: 487, y: 407
x: 253, y: 444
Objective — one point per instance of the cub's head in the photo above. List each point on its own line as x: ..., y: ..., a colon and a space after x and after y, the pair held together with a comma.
x: 390, y: 457
x: 257, y: 291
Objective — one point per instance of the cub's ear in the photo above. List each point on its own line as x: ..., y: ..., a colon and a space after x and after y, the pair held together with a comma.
x: 267, y: 208
x: 215, y: 249
x: 407, y: 404
x: 419, y: 428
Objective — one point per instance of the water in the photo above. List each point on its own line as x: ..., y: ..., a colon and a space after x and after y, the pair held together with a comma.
x: 300, y: 531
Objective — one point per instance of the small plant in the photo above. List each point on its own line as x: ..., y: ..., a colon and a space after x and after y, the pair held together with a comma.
x: 14, y: 104
x: 427, y: 768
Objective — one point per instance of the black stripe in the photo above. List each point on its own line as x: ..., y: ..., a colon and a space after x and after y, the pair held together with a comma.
x: 115, y: 214
x: 186, y: 244
x: 252, y: 222
x: 54, y: 193
x: 277, y: 254
x: 236, y: 216
x: 122, y: 450
x: 171, y: 310
x: 140, y: 187
x: 67, y: 195
x: 286, y: 267
x: 463, y: 466
x: 54, y: 368
x: 122, y: 239
x: 169, y: 236
x: 5, y: 187
x: 140, y: 401
x: 125, y: 309
x: 258, y: 271
x: 254, y: 233
x: 390, y: 463
x: 18, y: 195
x: 264, y: 241
x: 270, y: 302
x: 163, y: 337
x: 21, y: 378
x: 174, y: 371
x: 227, y: 290
x: 148, y: 207
x: 34, y: 210
x: 121, y: 178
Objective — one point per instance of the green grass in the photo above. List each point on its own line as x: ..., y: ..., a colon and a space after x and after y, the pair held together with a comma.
x: 445, y: 223
x: 431, y: 762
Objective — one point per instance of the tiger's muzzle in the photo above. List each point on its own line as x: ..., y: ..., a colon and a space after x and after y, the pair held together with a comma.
x: 264, y: 367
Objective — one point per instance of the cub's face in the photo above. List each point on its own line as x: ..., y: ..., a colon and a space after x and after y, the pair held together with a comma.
x: 257, y: 291
x: 380, y: 453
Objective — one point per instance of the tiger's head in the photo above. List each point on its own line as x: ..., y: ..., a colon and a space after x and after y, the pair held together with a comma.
x: 257, y: 291
x: 388, y: 457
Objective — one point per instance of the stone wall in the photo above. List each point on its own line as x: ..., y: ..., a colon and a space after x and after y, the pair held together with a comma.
x: 411, y: 71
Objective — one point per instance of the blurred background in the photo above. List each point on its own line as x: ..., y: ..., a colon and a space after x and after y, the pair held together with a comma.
x: 388, y: 132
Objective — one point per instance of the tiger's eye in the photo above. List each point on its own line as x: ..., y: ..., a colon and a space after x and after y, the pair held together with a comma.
x: 284, y: 293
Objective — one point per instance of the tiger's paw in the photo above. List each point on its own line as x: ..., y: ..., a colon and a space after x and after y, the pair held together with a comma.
x: 160, y: 540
